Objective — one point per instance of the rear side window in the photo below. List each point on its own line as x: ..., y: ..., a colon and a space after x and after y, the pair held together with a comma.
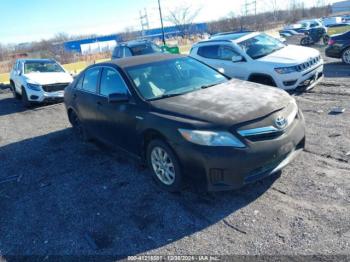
x: 112, y: 83
x: 222, y: 52
x: 210, y: 51
x: 79, y: 84
x: 91, y: 79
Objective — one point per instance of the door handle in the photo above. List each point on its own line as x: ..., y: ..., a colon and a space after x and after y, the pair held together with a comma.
x: 99, y: 103
x: 74, y: 96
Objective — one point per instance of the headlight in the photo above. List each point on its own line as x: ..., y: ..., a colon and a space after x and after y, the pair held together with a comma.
x: 211, y: 138
x: 34, y: 87
x: 286, y: 70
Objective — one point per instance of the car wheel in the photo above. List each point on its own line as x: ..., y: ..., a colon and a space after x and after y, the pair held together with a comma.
x: 26, y: 103
x: 346, y: 56
x: 325, y: 40
x: 305, y: 41
x: 78, y: 127
x: 14, y: 92
x: 164, y: 166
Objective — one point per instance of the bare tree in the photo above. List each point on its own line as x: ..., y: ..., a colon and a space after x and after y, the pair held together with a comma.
x: 274, y: 9
x: 182, y: 18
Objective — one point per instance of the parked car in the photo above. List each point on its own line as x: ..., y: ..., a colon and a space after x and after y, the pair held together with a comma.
x: 38, y: 80
x: 135, y: 48
x: 339, y: 47
x: 186, y: 120
x: 260, y: 58
x: 304, y: 25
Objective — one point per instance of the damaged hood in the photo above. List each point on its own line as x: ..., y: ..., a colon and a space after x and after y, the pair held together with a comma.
x: 227, y: 104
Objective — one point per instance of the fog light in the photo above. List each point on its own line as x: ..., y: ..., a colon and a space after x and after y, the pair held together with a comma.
x: 34, y: 97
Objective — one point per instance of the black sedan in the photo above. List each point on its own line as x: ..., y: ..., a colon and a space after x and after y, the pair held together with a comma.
x: 339, y: 47
x: 187, y: 121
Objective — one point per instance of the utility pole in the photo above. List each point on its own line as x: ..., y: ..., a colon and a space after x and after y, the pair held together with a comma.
x: 144, y: 21
x: 161, y: 20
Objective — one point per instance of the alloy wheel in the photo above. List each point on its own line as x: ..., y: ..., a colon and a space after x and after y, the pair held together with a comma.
x: 163, y: 166
x: 346, y: 56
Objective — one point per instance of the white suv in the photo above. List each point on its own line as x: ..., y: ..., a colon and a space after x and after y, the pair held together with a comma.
x: 38, y: 80
x: 263, y: 59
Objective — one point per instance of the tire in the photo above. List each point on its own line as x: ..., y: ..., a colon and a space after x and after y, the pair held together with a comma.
x: 78, y: 127
x: 26, y: 103
x: 168, y: 175
x: 305, y: 41
x: 14, y: 92
x: 345, y: 57
x: 325, y: 40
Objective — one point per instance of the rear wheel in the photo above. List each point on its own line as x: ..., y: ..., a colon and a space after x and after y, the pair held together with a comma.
x: 78, y: 127
x: 346, y: 56
x: 25, y: 101
x: 164, y: 165
x: 305, y: 41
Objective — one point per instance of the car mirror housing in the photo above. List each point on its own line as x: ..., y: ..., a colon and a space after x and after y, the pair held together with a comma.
x: 237, y: 58
x: 117, y: 98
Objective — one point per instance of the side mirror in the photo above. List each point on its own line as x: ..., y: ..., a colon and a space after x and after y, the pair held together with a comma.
x: 117, y: 98
x: 237, y: 58
x: 18, y: 72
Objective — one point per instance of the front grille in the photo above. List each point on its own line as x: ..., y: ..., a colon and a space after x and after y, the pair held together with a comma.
x: 308, y: 64
x: 55, y: 87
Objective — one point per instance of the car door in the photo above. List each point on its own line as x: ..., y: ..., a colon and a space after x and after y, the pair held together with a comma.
x: 85, y: 98
x: 17, y: 75
x: 117, y: 121
x: 220, y: 57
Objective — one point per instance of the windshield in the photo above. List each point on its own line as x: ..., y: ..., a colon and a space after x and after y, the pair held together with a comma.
x: 260, y: 46
x: 145, y: 49
x: 42, y: 67
x: 173, y: 77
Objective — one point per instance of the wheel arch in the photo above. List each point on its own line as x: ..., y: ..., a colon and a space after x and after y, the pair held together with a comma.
x: 147, y: 136
x: 256, y: 77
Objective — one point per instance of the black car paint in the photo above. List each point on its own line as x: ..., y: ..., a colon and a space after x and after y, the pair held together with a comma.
x: 342, y: 42
x: 130, y: 125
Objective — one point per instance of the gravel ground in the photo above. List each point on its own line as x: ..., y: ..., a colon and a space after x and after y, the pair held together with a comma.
x: 62, y: 197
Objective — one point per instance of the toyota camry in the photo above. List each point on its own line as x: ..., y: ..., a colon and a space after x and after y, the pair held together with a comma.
x: 187, y: 121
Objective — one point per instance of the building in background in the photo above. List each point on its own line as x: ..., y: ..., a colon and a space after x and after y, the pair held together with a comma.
x: 341, y: 7
x: 101, y: 44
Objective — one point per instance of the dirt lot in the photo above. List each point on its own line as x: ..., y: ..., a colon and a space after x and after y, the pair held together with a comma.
x: 62, y: 197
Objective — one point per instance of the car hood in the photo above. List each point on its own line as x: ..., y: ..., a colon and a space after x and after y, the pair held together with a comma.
x: 48, y: 78
x: 291, y: 55
x: 227, y: 104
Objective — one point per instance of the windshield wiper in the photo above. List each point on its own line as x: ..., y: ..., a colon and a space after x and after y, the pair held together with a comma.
x: 210, y: 85
x: 165, y: 96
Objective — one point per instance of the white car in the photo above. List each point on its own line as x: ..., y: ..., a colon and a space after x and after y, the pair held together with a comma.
x: 38, y: 80
x: 260, y: 58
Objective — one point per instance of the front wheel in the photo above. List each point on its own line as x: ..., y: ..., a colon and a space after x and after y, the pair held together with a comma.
x: 78, y: 127
x: 346, y: 56
x: 164, y: 165
x: 26, y: 103
x: 14, y: 92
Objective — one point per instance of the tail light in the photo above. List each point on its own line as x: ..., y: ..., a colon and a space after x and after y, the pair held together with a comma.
x: 331, y: 42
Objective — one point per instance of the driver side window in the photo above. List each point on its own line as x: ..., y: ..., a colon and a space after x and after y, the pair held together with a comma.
x: 112, y: 83
x: 226, y: 53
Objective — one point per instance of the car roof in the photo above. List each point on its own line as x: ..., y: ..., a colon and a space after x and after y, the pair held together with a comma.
x: 237, y: 37
x: 35, y: 60
x: 141, y: 60
x: 135, y: 43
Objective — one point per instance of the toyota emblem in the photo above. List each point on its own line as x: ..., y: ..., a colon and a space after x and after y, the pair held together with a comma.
x: 281, y: 122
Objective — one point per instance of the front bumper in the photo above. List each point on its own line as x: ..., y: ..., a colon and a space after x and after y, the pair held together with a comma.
x: 42, y: 96
x: 219, y: 169
x: 301, y: 80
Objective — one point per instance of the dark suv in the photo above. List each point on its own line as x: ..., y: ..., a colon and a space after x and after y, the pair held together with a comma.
x: 135, y: 48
